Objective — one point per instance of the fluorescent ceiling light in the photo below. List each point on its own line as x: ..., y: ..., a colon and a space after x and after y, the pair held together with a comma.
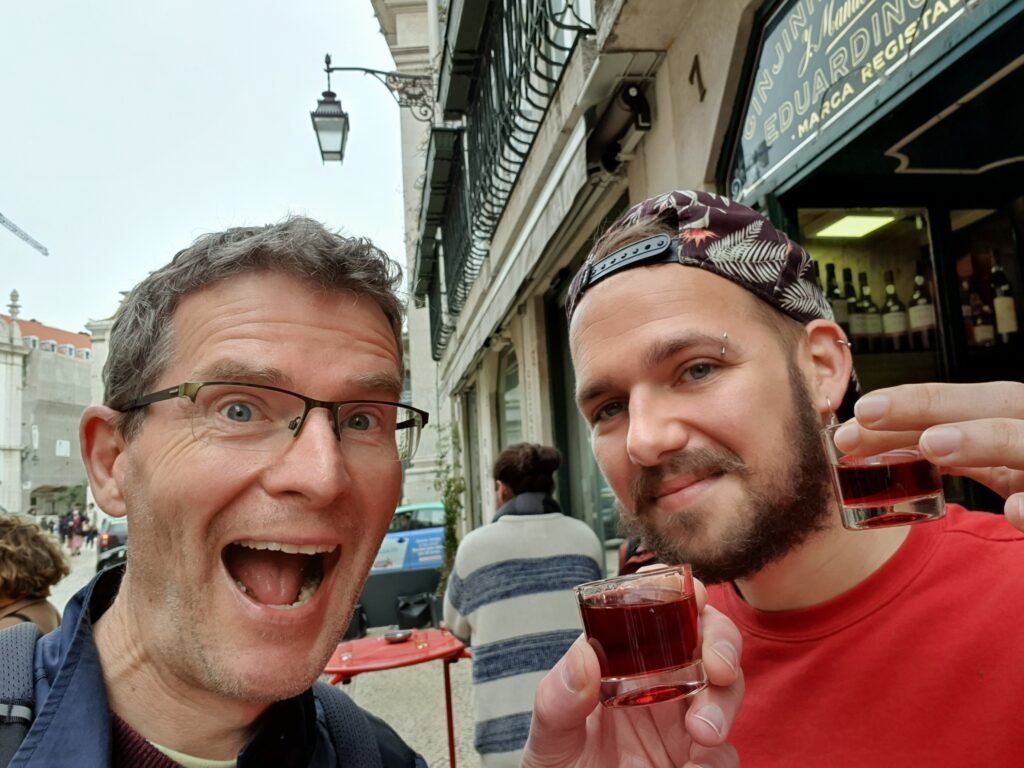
x: 854, y: 225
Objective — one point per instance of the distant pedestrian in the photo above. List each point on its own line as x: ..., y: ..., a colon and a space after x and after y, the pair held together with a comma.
x: 510, y: 596
x: 77, y: 530
x: 31, y: 561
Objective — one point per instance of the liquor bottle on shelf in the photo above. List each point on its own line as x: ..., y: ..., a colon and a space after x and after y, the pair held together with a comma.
x: 836, y: 299
x: 850, y: 292
x: 894, y: 318
x: 968, y: 298
x: 984, y: 329
x: 872, y: 317
x: 1004, y: 304
x: 921, y: 312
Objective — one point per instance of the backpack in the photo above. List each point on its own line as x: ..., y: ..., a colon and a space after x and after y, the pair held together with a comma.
x: 363, y: 739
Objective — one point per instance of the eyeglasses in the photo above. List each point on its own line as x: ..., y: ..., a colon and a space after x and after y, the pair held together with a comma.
x: 255, y: 417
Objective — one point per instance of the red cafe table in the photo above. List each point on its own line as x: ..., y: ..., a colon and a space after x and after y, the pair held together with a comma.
x: 373, y: 654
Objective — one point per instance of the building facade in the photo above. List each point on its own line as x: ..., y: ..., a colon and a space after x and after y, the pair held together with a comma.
x: 553, y: 116
x: 44, y: 387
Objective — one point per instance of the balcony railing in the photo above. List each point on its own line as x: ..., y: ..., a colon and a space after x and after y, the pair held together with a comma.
x: 524, y: 49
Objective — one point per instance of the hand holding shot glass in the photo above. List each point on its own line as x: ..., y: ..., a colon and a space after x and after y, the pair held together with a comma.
x: 897, y: 487
x: 646, y: 634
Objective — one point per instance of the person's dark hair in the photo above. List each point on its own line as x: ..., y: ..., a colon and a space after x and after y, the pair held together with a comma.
x: 526, y: 467
x: 141, y: 342
x: 31, y: 560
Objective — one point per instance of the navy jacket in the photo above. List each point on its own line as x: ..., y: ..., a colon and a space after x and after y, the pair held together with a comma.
x: 72, y: 727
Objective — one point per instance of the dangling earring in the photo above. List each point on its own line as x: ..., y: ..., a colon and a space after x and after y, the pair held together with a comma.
x: 725, y: 337
x: 832, y: 420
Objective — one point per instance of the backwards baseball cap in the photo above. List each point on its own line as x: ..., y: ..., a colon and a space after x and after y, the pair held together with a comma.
x: 720, y: 236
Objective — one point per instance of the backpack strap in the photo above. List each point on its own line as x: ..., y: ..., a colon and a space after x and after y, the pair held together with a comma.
x: 17, y: 687
x: 361, y: 739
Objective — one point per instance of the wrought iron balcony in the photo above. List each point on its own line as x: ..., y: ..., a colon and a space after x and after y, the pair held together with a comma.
x: 523, y: 50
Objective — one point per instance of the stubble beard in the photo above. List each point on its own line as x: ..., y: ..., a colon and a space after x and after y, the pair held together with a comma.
x: 777, y: 517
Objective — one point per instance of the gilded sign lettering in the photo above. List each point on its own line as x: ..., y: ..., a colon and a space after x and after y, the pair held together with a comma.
x: 817, y: 59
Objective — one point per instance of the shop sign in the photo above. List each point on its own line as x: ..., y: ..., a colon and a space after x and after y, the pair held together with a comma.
x: 818, y: 59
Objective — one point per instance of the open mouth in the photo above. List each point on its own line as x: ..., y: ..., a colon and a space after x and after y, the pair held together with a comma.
x: 277, y: 574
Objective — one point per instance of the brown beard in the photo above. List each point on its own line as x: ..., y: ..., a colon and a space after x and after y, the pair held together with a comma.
x: 775, y: 520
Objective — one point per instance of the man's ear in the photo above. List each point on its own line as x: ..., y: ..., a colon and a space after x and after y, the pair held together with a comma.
x: 102, y: 446
x: 831, y: 365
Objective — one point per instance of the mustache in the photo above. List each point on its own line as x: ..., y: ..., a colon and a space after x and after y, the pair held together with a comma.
x: 704, y: 461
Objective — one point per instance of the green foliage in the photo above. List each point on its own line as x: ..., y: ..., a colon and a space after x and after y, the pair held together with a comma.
x: 451, y: 484
x: 65, y: 498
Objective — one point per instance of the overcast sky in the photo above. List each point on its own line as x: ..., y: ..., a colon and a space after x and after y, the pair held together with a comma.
x: 130, y: 128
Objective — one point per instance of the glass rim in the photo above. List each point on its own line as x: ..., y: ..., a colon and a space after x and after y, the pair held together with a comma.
x: 684, y: 568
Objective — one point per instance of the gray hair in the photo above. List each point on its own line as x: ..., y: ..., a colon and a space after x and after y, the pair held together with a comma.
x: 141, y: 342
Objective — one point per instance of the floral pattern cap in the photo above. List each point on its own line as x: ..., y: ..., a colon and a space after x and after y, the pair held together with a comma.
x: 729, y: 239
x: 724, y: 237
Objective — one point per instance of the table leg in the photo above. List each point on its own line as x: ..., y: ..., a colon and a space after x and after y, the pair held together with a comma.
x: 448, y: 706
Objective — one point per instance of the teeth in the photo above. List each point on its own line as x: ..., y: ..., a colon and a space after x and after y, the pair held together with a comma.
x: 292, y: 549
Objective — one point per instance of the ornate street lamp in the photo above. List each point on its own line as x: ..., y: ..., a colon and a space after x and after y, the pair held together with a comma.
x: 330, y: 121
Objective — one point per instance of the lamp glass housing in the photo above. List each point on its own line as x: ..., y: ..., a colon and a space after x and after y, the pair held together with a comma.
x: 330, y: 122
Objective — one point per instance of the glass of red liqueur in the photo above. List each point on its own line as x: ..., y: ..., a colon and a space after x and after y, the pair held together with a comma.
x: 897, y: 487
x: 645, y: 632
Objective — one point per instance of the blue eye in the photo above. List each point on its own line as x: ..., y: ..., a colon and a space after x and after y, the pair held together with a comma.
x: 238, y: 412
x: 361, y: 421
x: 699, y: 371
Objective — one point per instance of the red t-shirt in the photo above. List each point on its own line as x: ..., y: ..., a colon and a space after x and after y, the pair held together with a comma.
x: 922, y: 664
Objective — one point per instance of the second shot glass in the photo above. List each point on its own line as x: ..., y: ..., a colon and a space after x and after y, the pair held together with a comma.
x: 897, y: 487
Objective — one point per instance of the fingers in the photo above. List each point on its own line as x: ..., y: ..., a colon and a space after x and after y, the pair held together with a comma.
x: 722, y: 645
x: 854, y: 439
x: 713, y: 710
x: 723, y: 756
x: 919, y: 406
x: 1014, y: 511
x: 565, y: 698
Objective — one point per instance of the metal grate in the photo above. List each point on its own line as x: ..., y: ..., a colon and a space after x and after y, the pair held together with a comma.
x: 523, y: 55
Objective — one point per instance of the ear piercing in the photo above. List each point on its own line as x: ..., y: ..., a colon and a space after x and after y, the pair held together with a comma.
x: 832, y: 420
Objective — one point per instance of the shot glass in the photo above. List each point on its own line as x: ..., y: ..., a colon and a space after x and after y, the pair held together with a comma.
x: 897, y: 487
x: 645, y: 632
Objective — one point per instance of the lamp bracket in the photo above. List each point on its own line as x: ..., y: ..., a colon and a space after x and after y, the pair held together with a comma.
x: 416, y: 92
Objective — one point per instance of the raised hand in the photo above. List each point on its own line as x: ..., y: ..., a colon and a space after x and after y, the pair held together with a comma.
x: 973, y: 430
x: 571, y: 728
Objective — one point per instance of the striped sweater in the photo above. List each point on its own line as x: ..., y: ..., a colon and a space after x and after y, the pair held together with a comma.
x: 510, y: 597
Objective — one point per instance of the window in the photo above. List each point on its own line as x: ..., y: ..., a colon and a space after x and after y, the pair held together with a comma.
x: 510, y: 410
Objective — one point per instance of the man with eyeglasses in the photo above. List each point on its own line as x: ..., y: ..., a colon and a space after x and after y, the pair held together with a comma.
x: 253, y: 438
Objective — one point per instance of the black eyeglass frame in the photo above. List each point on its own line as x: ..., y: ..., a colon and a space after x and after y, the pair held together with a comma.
x: 190, y: 389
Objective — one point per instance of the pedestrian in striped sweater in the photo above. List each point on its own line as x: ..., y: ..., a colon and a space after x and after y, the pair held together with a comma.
x: 510, y: 596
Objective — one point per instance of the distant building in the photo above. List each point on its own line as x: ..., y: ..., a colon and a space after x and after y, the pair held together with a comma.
x: 44, y: 387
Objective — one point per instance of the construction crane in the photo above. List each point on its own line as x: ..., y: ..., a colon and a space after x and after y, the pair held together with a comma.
x: 23, y: 235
